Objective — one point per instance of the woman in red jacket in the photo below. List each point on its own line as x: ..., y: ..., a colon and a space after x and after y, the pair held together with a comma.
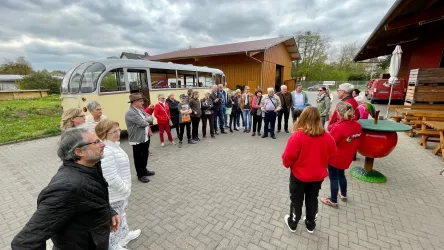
x: 307, y: 153
x: 346, y: 133
x: 162, y: 113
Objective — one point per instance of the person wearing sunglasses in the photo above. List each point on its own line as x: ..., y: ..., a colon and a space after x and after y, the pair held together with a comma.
x: 72, y: 118
x: 74, y: 209
x: 323, y: 104
x: 116, y: 170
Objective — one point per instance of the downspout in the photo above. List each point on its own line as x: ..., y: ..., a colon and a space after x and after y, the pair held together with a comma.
x: 262, y: 65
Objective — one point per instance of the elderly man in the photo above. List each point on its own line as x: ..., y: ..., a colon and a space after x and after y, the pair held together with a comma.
x: 285, y: 98
x: 223, y: 104
x: 95, y: 114
x: 345, y: 91
x: 139, y: 132
x: 73, y: 210
x: 217, y: 99
x: 246, y: 106
x: 271, y: 105
x: 299, y: 102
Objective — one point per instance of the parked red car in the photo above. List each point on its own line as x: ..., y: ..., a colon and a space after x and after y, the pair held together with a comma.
x: 379, y: 90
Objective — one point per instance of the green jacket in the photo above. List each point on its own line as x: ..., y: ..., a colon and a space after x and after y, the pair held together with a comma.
x: 323, y: 105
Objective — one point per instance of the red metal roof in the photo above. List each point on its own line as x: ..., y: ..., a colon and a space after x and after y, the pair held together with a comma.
x: 232, y: 48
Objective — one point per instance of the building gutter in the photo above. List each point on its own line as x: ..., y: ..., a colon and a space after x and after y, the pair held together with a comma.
x: 262, y: 65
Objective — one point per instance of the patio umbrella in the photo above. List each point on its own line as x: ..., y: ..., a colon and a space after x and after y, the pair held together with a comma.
x: 395, y: 64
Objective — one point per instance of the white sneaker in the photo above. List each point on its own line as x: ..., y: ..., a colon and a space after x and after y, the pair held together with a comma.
x: 316, y: 218
x: 132, y: 235
x: 173, y: 143
x: 162, y: 144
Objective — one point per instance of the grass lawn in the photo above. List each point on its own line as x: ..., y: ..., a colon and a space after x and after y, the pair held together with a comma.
x: 26, y: 119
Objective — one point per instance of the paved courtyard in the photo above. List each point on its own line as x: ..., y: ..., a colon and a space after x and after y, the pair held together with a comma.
x: 232, y: 193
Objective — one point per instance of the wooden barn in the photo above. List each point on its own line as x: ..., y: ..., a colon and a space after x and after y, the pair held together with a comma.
x: 258, y: 64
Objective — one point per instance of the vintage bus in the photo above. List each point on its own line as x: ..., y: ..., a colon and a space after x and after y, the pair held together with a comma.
x: 110, y: 81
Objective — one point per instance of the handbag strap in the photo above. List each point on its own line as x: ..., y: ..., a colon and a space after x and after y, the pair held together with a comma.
x: 165, y: 111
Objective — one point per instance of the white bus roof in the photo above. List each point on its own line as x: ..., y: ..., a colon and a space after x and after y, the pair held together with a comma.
x: 129, y: 63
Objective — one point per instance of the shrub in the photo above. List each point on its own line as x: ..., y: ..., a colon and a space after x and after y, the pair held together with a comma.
x: 40, y: 80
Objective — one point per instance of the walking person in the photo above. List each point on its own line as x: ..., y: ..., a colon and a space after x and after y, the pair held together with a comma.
x: 256, y: 112
x: 207, y: 114
x: 116, y: 170
x: 323, y: 104
x: 73, y: 210
x: 346, y: 133
x: 217, y: 99
x: 299, y: 100
x: 95, y: 114
x: 162, y: 113
x: 307, y: 153
x: 174, y: 111
x: 285, y: 98
x: 185, y: 119
x: 196, y: 113
x: 139, y: 133
x: 235, y: 109
x: 246, y: 105
x: 270, y: 105
x: 72, y: 118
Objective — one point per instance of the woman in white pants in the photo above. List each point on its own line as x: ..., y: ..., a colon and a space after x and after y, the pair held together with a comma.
x: 116, y: 170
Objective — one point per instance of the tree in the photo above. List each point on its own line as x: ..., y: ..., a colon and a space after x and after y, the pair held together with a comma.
x: 18, y: 67
x: 384, y: 62
x: 40, y: 80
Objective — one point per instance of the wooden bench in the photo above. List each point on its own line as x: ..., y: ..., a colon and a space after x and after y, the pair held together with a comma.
x: 426, y: 133
x: 397, y: 117
x: 439, y: 128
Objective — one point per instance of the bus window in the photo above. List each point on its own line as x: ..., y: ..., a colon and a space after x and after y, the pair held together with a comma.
x: 187, y: 79
x: 218, y: 79
x: 90, y: 77
x: 113, y: 81
x: 205, y: 79
x: 138, y: 80
x: 163, y: 78
x: 65, y: 82
x: 74, y: 82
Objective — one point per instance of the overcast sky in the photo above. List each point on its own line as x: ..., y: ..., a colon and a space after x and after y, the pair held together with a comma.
x: 57, y: 34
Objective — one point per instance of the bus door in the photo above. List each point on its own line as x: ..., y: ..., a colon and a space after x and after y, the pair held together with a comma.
x: 138, y: 83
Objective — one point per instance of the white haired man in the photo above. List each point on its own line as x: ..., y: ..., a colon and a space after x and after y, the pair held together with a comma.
x: 73, y: 210
x: 345, y: 91
x: 285, y: 98
x: 271, y: 105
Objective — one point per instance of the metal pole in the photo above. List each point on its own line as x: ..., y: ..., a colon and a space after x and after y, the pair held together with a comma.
x: 390, y: 99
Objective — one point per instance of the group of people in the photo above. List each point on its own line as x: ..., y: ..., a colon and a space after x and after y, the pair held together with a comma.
x: 312, y: 153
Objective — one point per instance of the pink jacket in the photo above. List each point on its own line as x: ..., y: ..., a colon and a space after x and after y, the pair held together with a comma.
x: 363, y: 111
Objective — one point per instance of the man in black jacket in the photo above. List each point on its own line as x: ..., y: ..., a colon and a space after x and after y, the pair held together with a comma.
x: 73, y: 210
x: 217, y: 99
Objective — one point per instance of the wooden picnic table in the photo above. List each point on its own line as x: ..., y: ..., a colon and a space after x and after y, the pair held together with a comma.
x: 420, y: 112
x: 438, y: 126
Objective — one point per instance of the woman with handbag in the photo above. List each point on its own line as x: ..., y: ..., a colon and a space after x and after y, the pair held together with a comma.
x: 195, y: 115
x: 256, y: 112
x: 185, y: 119
x: 234, y: 100
x: 207, y: 114
x: 162, y: 113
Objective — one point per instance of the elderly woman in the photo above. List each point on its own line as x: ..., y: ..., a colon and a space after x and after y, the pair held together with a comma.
x: 174, y: 111
x: 256, y: 112
x: 72, y: 118
x: 116, y: 170
x: 95, y: 114
x: 362, y: 107
x: 162, y: 113
x: 195, y: 115
x: 207, y: 114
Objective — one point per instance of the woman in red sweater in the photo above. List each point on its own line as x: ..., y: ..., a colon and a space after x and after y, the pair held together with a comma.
x: 346, y: 133
x: 307, y: 153
x: 162, y: 113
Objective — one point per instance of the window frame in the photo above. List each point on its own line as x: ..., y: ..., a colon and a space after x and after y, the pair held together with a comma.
x: 94, y: 90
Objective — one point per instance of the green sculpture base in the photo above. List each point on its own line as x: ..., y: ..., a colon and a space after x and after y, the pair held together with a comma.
x: 372, y: 176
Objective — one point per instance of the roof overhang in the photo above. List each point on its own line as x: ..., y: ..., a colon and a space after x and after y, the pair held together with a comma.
x: 407, y: 21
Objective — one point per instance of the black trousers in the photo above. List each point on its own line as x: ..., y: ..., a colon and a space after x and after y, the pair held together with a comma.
x: 296, y: 113
x: 195, y: 125
x: 182, y: 130
x: 210, y: 119
x: 257, y: 122
x: 140, y: 154
x: 233, y: 120
x: 286, y: 114
x: 269, y: 119
x: 300, y: 190
x: 177, y: 129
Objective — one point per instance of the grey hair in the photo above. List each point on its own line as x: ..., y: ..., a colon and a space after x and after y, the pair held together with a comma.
x: 92, y: 105
x: 207, y: 92
x: 284, y: 86
x: 346, y: 87
x: 270, y: 89
x: 170, y: 94
x: 160, y: 96
x: 238, y: 91
x: 71, y: 139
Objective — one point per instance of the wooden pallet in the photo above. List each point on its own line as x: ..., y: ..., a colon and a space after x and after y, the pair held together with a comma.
x: 425, y: 76
x: 424, y: 94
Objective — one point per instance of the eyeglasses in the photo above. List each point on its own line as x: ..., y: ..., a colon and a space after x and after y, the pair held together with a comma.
x: 86, y: 144
x: 320, y: 90
x: 99, y: 109
x: 115, y: 132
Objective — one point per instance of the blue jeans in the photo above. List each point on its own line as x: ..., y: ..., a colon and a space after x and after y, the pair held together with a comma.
x: 238, y: 117
x: 337, y: 180
x: 218, y: 114
x: 223, y: 109
x: 323, y: 120
x: 247, y: 119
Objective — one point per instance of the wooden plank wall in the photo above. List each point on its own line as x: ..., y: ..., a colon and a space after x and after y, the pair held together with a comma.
x: 276, y: 55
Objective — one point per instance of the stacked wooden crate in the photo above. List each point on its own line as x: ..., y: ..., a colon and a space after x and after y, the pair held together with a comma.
x: 425, y: 86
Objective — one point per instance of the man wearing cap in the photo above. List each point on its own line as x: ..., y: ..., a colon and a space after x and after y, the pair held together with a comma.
x: 345, y: 91
x: 138, y: 125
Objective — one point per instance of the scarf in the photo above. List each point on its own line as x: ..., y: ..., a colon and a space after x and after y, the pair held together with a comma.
x: 320, y: 98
